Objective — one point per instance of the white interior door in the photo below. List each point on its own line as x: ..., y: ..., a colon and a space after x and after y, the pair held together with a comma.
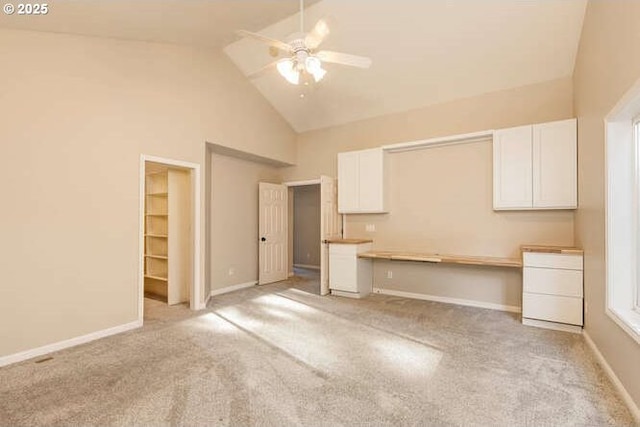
x: 330, y: 226
x: 273, y: 221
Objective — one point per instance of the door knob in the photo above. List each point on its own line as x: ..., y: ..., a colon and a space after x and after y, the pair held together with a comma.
x: 263, y: 239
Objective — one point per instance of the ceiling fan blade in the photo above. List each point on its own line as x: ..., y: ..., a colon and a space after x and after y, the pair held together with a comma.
x: 317, y: 34
x: 344, y: 59
x: 263, y: 71
x: 264, y: 39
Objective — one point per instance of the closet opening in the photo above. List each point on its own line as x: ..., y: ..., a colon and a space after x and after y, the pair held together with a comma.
x: 168, y: 236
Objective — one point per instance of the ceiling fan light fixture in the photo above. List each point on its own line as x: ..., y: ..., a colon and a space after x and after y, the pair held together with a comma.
x: 319, y: 74
x: 287, y: 69
x: 313, y: 66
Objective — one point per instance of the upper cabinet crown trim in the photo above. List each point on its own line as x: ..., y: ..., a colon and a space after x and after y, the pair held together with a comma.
x: 439, y: 141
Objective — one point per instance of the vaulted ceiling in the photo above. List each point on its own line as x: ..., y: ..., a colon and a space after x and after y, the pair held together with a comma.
x: 424, y: 52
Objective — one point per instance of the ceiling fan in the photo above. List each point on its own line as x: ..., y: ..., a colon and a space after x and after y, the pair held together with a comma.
x: 303, y: 57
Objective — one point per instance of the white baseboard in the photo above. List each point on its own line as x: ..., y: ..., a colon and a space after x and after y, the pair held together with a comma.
x: 354, y: 295
x: 232, y: 288
x: 310, y: 267
x: 291, y: 274
x: 72, y: 342
x: 448, y: 300
x: 633, y: 407
x: 552, y: 325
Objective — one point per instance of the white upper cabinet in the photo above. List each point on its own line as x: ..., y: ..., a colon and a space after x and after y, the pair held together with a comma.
x: 555, y: 171
x: 512, y: 164
x: 348, y: 179
x: 535, y: 167
x: 362, y: 181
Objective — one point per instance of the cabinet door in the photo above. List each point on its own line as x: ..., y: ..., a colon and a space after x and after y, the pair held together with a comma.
x: 512, y: 177
x: 555, y: 165
x: 371, y: 180
x: 348, y: 200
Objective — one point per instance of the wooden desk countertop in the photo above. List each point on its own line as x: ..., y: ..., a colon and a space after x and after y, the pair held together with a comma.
x: 348, y: 241
x: 445, y: 259
x: 552, y: 249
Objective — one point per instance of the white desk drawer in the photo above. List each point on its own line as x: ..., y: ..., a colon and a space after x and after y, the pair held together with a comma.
x: 348, y: 249
x: 552, y: 282
x: 545, y: 260
x: 552, y: 308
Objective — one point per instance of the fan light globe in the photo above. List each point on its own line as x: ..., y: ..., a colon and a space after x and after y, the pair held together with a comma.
x: 312, y: 64
x: 287, y: 69
x: 314, y: 67
x: 319, y: 74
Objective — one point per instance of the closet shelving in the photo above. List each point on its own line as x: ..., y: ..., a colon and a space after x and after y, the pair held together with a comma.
x: 167, y: 234
x: 156, y: 262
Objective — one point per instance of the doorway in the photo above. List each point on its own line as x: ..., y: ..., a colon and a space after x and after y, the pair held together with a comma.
x: 313, y: 220
x: 169, y: 234
x: 306, y: 236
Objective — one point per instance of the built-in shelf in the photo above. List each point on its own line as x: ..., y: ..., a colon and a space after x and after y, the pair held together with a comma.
x: 156, y: 256
x: 163, y: 279
x: 158, y: 236
x: 158, y: 194
x: 156, y: 214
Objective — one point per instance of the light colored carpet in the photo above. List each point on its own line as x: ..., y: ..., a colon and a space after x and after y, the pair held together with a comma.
x: 280, y: 355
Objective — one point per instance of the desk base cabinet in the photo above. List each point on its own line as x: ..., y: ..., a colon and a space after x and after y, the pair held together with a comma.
x: 349, y: 275
x: 552, y: 289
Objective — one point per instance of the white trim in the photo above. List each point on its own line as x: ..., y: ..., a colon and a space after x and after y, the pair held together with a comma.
x: 346, y: 294
x: 628, y: 320
x: 301, y: 183
x: 633, y: 407
x: 552, y: 325
x: 310, y: 267
x: 439, y: 142
x: 621, y: 243
x: 197, y: 285
x: 232, y: 288
x: 72, y: 342
x: 448, y: 300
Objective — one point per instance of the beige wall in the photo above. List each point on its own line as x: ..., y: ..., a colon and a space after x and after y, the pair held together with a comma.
x: 234, y: 219
x: 77, y: 112
x: 306, y: 225
x: 529, y: 104
x: 607, y: 66
x: 441, y: 198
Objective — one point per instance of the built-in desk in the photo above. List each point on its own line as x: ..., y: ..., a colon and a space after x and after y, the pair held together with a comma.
x: 444, y: 259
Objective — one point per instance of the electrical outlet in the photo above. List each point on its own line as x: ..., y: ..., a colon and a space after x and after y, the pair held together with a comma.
x: 232, y: 271
x: 389, y: 274
x: 308, y: 255
x: 370, y: 227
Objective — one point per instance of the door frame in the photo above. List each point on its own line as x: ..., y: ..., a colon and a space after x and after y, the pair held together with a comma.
x: 195, y: 300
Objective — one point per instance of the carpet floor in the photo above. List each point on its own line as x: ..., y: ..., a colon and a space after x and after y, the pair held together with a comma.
x: 282, y: 355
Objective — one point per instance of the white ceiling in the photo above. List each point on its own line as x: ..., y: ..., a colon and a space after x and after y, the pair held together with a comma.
x: 424, y: 51
x: 194, y: 22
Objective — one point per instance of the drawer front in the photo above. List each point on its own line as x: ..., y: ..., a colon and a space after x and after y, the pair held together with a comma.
x: 543, y: 260
x: 343, y: 273
x: 552, y: 282
x: 348, y: 249
x: 552, y: 308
